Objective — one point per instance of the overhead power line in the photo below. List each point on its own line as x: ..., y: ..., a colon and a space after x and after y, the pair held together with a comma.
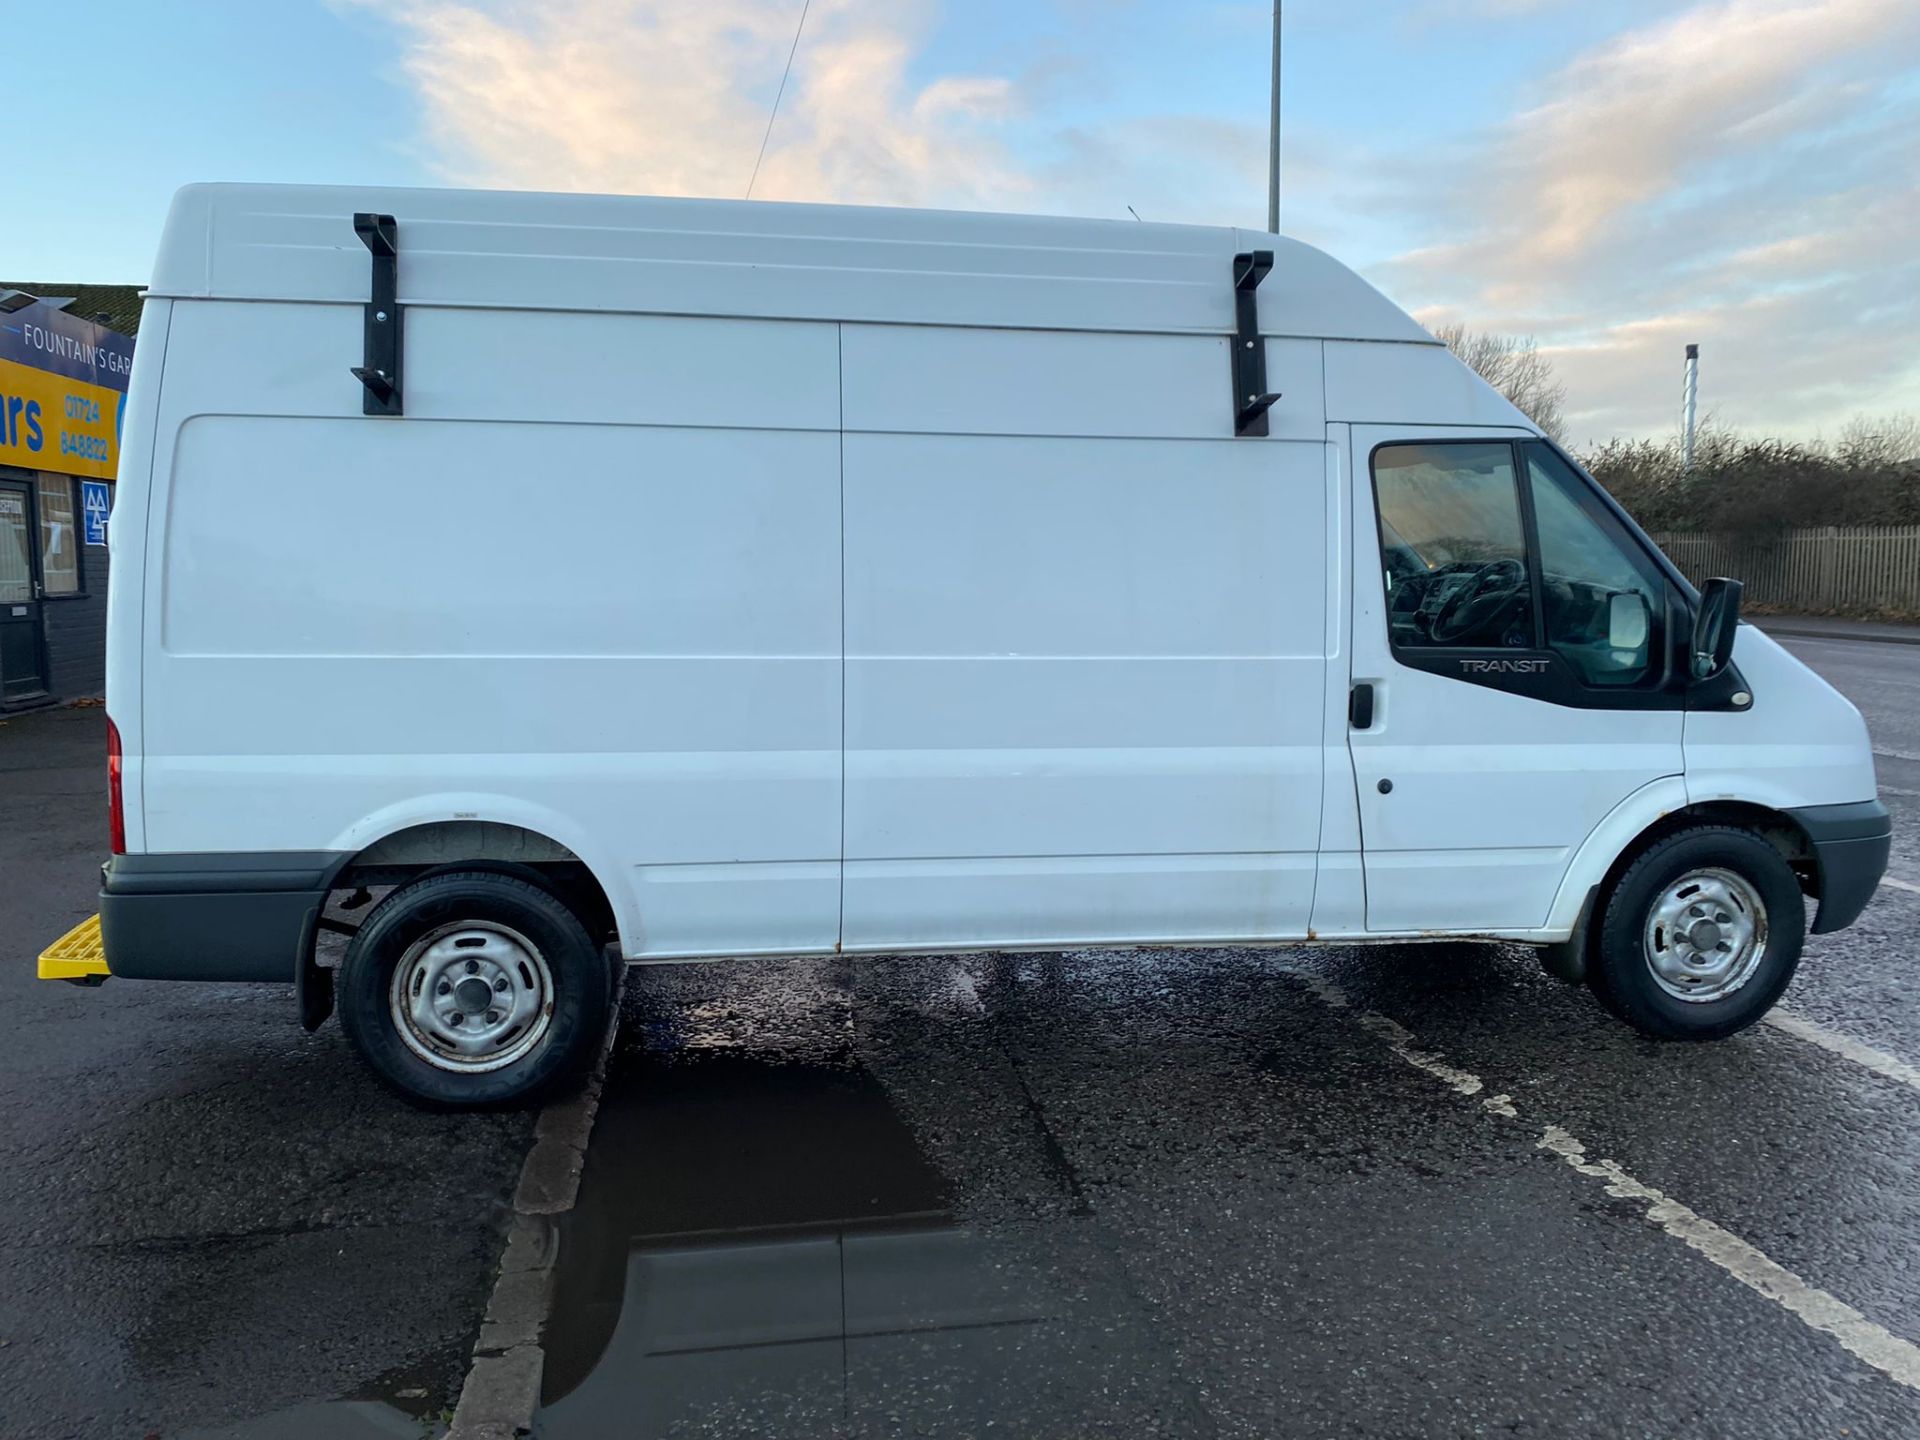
x: 792, y: 50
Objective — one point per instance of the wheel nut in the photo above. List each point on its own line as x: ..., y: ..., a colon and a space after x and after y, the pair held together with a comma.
x: 472, y: 966
x: 445, y: 988
x: 493, y: 1017
x: 455, y: 1018
x: 501, y: 985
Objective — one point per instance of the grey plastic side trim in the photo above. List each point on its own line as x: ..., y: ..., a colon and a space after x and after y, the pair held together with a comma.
x: 249, y: 935
x: 1861, y: 820
x: 215, y: 873
x: 242, y: 916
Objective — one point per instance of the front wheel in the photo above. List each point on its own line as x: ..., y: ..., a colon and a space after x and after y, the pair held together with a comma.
x: 473, y: 988
x: 1699, y: 935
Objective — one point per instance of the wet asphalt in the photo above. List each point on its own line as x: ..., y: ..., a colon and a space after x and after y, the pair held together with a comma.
x: 206, y: 1215
x: 1092, y: 1193
x: 1200, y: 1193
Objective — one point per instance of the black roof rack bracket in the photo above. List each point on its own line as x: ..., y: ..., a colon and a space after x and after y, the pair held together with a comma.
x: 1251, y: 399
x: 380, y: 374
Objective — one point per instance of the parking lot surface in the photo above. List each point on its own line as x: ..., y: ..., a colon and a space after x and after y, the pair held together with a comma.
x: 1400, y: 1191
x: 1403, y: 1190
x: 205, y: 1214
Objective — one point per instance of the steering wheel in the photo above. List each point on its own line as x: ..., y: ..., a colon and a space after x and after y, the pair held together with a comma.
x: 1492, y: 589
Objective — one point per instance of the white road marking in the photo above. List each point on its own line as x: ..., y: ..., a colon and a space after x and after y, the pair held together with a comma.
x: 1906, y: 885
x: 1873, y: 1343
x: 1845, y: 1046
x: 1400, y: 1040
x: 1893, y: 1357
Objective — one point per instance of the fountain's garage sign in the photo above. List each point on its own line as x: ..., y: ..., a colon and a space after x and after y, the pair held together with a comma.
x: 63, y: 392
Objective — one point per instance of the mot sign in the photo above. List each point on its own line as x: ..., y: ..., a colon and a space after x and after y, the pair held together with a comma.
x: 96, y: 503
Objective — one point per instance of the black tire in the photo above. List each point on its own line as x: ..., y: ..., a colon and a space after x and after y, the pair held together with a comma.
x: 1620, y: 971
x: 575, y: 987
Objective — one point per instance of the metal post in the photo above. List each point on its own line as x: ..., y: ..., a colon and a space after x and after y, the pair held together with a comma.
x: 1690, y: 401
x: 1273, y: 133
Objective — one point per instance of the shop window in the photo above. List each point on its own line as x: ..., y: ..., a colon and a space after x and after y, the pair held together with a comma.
x: 59, y: 537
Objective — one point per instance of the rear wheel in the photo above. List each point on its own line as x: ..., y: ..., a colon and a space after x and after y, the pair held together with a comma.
x: 471, y: 988
x: 1699, y: 935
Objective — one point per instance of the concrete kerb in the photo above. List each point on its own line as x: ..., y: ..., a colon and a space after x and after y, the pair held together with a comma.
x: 502, y: 1388
x: 1861, y: 632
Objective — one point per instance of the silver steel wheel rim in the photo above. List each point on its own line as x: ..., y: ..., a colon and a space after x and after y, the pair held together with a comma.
x: 1705, y: 935
x: 471, y: 997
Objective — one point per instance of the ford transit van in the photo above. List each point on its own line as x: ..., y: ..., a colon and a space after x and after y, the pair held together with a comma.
x: 526, y: 583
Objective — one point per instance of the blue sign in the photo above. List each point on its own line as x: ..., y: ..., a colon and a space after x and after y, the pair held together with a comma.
x: 96, y: 502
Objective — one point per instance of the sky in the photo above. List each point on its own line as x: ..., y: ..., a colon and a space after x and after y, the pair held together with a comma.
x: 1615, y: 178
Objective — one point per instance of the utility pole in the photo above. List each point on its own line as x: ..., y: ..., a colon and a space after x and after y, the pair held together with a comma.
x: 1273, y: 132
x: 1690, y: 399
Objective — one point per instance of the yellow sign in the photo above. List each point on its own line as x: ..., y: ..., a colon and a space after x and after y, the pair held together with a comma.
x: 54, y: 422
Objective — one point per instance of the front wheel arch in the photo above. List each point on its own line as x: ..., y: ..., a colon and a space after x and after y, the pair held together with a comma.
x: 1571, y: 959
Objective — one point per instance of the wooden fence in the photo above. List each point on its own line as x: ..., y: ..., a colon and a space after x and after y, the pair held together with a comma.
x: 1855, y: 570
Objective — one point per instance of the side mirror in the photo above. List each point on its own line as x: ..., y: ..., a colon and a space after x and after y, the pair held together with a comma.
x: 1714, y: 626
x: 1627, y: 621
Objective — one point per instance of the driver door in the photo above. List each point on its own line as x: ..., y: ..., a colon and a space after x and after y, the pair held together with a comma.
x: 1518, y: 644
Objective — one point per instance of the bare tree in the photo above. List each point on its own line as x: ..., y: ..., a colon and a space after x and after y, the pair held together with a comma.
x: 1513, y: 366
x: 1884, y: 440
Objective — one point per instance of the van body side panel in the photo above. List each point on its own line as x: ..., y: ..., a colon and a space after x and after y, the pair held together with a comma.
x: 524, y: 602
x: 929, y: 381
x: 1422, y: 386
x: 1085, y: 671
x: 1340, y: 893
x: 1801, y: 743
x: 127, y: 546
x: 638, y: 254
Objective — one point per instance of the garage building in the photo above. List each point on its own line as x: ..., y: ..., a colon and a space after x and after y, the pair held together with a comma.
x: 65, y: 354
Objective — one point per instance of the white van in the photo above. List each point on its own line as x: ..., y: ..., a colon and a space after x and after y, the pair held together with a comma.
x: 720, y: 579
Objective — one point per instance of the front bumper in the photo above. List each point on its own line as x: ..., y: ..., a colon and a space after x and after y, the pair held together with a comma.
x: 213, y: 917
x: 1850, y: 848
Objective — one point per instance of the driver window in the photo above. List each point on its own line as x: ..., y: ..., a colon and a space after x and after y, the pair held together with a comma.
x: 1453, y: 546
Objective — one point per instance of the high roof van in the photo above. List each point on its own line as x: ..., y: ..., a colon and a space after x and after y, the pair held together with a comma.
x: 525, y: 583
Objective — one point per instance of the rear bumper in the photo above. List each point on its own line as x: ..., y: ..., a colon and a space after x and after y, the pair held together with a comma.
x: 1850, y: 848
x: 213, y: 917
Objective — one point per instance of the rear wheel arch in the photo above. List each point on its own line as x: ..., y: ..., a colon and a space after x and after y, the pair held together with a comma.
x: 413, y: 852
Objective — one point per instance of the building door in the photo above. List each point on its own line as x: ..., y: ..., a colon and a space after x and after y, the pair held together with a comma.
x: 23, y: 672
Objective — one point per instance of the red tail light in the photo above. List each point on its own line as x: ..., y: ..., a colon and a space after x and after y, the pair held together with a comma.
x: 116, y: 809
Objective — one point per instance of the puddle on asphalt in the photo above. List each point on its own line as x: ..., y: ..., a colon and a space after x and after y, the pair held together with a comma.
x: 405, y: 1404
x: 761, y: 1247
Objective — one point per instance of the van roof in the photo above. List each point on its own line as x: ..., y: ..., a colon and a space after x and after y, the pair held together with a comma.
x: 643, y: 254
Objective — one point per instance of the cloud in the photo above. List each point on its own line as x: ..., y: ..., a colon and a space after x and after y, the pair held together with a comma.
x: 670, y: 97
x: 1742, y: 174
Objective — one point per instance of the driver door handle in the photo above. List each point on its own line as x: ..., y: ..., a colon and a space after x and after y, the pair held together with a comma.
x: 1360, y: 707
